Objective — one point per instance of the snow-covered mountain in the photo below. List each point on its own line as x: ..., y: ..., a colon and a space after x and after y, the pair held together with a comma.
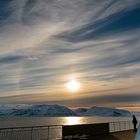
x: 7, y: 109
x: 136, y: 113
x: 41, y: 110
x: 80, y: 111
x: 102, y: 111
x: 36, y: 110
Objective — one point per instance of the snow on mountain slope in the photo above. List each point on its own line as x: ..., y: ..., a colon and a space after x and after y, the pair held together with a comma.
x: 102, y: 111
x: 136, y: 113
x: 80, y: 111
x: 57, y: 110
x: 7, y: 109
x: 36, y: 110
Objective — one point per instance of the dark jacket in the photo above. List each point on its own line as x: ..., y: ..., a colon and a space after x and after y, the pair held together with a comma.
x: 134, y: 120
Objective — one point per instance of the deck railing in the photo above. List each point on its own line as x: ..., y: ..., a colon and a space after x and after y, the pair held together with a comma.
x: 51, y: 132
x: 121, y: 126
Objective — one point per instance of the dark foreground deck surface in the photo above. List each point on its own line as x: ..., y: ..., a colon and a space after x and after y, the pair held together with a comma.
x: 123, y: 135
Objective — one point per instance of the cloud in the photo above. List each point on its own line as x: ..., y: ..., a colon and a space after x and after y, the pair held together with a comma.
x: 10, y: 59
x: 117, y: 22
x: 45, y: 43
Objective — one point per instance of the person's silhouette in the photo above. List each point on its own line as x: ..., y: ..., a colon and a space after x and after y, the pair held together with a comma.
x: 134, y: 121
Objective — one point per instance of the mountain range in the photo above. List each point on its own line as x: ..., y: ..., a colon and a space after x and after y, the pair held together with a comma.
x: 42, y: 110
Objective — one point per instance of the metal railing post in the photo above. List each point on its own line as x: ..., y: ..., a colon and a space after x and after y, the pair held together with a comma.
x: 11, y: 134
x: 48, y: 133
x: 31, y: 133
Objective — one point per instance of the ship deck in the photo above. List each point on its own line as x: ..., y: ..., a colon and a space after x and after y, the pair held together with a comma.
x: 123, y: 135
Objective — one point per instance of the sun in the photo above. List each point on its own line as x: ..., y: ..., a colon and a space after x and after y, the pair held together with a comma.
x: 73, y: 85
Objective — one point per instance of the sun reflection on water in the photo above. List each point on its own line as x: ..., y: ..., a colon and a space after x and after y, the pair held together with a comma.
x: 73, y: 120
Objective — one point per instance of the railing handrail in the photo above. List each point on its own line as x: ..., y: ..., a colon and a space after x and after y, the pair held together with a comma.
x: 25, y: 127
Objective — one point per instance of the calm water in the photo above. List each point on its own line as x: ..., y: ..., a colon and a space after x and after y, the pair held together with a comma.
x: 42, y: 121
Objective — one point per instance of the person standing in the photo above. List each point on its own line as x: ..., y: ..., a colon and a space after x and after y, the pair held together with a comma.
x: 134, y: 121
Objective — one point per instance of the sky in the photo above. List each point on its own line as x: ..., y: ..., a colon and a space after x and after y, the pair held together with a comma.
x: 46, y: 43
